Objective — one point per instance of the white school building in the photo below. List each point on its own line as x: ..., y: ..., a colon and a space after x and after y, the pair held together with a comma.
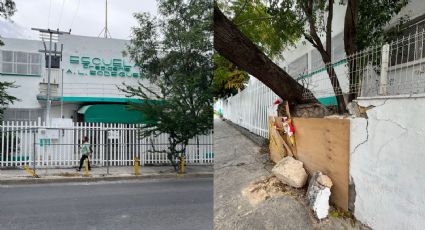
x: 83, y: 84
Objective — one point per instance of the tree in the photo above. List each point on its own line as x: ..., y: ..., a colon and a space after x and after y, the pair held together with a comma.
x: 7, y: 9
x: 174, y: 53
x: 5, y: 98
x: 314, y: 22
x: 364, y: 25
x: 292, y: 17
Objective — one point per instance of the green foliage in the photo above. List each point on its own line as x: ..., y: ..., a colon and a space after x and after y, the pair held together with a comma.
x: 174, y: 54
x: 295, y: 15
x: 7, y: 9
x: 255, y: 19
x: 228, y: 78
x: 5, y: 98
x: 373, y: 16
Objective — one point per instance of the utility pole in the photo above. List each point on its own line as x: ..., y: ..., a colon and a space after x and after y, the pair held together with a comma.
x: 50, y: 33
x: 105, y: 29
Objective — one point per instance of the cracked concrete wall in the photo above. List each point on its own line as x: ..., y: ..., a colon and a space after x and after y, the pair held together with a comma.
x: 387, y: 162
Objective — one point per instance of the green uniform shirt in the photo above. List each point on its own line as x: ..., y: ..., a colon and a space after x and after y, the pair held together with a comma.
x: 85, y: 149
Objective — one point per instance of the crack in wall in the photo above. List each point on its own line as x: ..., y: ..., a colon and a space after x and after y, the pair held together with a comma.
x: 367, y: 123
x: 367, y: 137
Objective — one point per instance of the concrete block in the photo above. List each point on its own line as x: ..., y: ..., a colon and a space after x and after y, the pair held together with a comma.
x: 290, y: 172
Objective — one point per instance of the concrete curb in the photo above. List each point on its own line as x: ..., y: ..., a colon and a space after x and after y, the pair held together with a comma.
x: 98, y: 179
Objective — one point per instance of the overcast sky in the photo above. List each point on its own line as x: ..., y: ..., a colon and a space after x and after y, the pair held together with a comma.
x: 83, y: 17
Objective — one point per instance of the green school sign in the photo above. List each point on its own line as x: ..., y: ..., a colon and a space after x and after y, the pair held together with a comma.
x: 95, y: 66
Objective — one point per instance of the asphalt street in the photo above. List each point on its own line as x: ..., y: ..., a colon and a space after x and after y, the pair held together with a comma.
x: 151, y: 204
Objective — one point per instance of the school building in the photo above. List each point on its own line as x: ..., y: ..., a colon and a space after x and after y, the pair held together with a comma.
x: 83, y: 83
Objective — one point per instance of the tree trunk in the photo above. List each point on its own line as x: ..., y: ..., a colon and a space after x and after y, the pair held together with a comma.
x: 350, y: 44
x: 326, y: 53
x: 237, y: 48
x: 337, y: 89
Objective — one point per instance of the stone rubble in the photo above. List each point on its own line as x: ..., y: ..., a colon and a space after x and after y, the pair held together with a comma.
x: 318, y: 193
x: 291, y: 172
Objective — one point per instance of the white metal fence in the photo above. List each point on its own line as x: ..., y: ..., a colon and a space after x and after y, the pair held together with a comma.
x: 29, y: 143
x: 395, y: 68
x: 392, y: 69
x: 250, y: 107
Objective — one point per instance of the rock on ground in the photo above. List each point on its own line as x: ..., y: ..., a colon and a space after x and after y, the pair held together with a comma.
x: 290, y: 172
x: 318, y: 193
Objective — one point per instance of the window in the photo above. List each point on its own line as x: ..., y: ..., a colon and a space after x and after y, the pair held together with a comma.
x: 17, y: 62
x: 409, y: 46
x: 12, y: 114
x: 55, y: 62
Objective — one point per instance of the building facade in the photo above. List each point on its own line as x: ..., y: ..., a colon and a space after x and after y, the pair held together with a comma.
x: 84, y: 84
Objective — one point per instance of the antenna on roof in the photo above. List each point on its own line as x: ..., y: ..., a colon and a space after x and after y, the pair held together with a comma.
x: 105, y: 30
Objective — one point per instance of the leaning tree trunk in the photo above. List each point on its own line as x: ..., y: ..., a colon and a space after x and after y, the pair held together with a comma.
x: 232, y: 44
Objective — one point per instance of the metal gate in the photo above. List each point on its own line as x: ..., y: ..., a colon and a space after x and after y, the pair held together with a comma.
x: 32, y: 143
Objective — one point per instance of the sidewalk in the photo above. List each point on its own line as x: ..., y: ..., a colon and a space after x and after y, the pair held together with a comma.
x: 50, y: 175
x: 238, y: 162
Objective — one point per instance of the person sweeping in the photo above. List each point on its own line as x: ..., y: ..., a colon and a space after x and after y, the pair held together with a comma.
x: 85, y: 151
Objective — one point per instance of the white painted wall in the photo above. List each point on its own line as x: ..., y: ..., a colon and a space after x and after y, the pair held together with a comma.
x: 387, y: 161
x: 68, y: 109
x: 26, y: 92
x: 93, y: 86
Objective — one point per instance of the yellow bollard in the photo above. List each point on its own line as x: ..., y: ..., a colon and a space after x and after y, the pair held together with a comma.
x: 87, y: 167
x: 182, y: 164
x: 136, y: 166
x: 30, y: 171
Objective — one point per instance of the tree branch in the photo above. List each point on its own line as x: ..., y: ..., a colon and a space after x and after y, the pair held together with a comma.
x: 308, y: 10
